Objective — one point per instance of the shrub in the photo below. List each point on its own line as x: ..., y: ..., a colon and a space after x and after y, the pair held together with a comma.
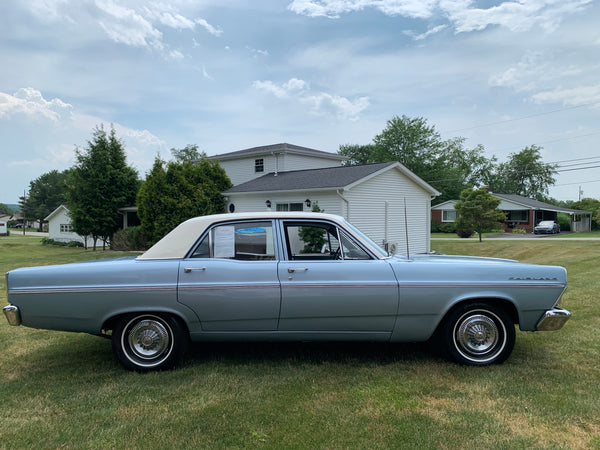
x: 48, y: 241
x: 449, y: 227
x: 131, y: 238
x: 519, y: 231
x: 464, y: 233
x: 564, y: 221
x: 435, y: 226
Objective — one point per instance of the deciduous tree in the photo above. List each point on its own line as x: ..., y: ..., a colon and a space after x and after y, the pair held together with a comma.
x: 477, y: 209
x: 445, y: 164
x: 524, y: 174
x: 46, y: 193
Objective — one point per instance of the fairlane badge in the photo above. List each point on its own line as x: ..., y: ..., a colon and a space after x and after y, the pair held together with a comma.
x: 533, y: 279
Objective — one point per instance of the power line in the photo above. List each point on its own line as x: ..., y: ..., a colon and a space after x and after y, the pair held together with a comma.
x: 579, y: 182
x: 516, y: 119
x: 541, y: 143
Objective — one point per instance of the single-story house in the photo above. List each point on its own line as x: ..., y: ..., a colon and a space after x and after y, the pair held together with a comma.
x: 521, y: 212
x: 60, y: 229
x: 386, y: 201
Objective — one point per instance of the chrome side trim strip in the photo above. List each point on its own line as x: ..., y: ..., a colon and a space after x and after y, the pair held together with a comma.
x: 292, y: 284
x: 84, y: 289
x: 207, y: 286
x: 508, y: 284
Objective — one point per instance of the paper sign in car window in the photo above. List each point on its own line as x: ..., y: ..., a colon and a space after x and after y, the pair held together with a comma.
x: 224, y: 239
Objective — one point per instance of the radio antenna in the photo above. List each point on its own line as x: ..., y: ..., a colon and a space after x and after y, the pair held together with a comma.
x: 406, y: 230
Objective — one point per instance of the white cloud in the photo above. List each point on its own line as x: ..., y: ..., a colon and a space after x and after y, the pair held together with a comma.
x: 208, y: 27
x: 133, y: 23
x: 30, y: 102
x: 334, y: 8
x: 320, y: 103
x: 123, y: 25
x: 581, y: 95
x: 517, y: 16
x: 431, y: 31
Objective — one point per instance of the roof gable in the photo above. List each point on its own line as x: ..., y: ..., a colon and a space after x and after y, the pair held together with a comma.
x: 56, y: 211
x: 277, y: 148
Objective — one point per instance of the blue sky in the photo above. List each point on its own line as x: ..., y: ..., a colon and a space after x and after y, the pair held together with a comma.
x: 228, y: 75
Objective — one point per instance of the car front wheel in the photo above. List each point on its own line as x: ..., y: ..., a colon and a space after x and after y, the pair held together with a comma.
x: 478, y: 334
x: 145, y: 342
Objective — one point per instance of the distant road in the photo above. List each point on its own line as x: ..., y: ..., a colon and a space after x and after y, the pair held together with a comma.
x: 16, y: 232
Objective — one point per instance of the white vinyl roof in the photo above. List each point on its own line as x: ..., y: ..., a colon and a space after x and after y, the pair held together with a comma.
x: 177, y: 243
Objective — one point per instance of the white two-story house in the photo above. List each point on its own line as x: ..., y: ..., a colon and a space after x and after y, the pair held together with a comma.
x: 386, y: 200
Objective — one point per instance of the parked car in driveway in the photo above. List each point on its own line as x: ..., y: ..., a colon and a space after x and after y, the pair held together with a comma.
x: 287, y: 277
x: 546, y: 227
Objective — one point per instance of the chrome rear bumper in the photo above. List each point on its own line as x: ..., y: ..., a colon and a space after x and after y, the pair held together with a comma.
x: 12, y: 315
x: 553, y: 319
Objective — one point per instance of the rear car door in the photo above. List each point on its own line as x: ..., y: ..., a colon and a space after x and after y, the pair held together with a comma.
x: 230, y: 278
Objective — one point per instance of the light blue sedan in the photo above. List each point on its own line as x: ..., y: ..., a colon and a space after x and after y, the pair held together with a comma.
x: 287, y: 277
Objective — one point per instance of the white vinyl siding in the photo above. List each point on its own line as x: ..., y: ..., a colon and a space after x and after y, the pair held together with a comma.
x: 244, y: 169
x: 370, y: 200
x: 366, y: 208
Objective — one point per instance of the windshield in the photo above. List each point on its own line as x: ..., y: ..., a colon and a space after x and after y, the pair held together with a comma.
x: 366, y: 238
x: 546, y: 223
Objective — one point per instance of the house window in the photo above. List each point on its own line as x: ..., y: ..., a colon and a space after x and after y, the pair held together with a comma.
x: 66, y: 228
x: 449, y: 215
x: 517, y: 216
x: 259, y: 165
x: 289, y: 207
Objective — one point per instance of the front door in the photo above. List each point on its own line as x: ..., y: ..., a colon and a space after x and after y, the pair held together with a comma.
x: 330, y: 284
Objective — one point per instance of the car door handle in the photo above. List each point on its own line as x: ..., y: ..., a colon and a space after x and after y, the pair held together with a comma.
x: 190, y: 269
x: 297, y: 269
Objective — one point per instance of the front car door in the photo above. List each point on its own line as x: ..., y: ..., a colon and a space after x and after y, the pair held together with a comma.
x: 230, y: 278
x: 331, y: 284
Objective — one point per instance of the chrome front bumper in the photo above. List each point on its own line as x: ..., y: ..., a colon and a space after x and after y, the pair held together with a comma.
x: 12, y: 315
x: 553, y: 319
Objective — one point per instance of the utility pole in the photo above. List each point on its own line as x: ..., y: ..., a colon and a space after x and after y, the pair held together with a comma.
x: 580, y: 193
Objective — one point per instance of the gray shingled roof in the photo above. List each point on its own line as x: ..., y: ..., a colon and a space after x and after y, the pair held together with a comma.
x: 327, y: 178
x: 534, y: 204
x: 283, y: 147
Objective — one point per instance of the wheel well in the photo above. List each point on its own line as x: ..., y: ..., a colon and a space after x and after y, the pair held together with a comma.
x: 111, y: 322
x: 506, y: 305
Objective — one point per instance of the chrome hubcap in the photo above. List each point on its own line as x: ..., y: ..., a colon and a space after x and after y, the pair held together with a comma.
x: 477, y: 334
x: 149, y: 339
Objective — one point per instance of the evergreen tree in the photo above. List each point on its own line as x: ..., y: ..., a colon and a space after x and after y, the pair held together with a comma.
x: 179, y: 190
x: 100, y: 184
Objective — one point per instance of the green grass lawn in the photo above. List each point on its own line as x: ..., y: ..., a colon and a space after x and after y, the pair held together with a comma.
x: 67, y: 390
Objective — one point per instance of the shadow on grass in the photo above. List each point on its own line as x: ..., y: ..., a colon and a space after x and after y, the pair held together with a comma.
x: 362, y: 353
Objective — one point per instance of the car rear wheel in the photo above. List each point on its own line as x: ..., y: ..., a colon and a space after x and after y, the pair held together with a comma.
x: 478, y: 334
x: 145, y: 342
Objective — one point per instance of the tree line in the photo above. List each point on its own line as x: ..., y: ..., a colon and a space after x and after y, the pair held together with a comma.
x: 101, y: 182
x: 449, y: 166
